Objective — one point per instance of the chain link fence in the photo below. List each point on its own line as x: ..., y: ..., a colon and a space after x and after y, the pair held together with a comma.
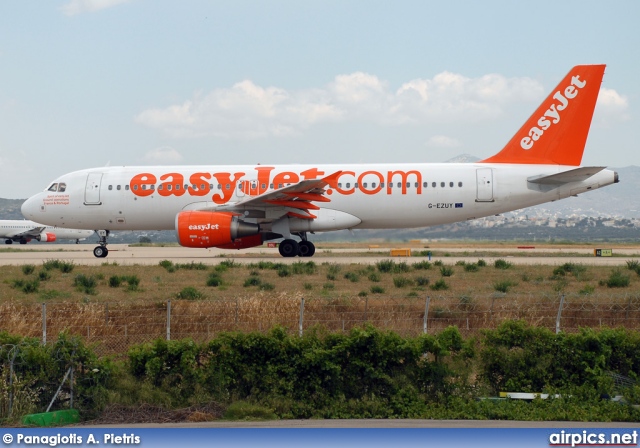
x: 114, y: 327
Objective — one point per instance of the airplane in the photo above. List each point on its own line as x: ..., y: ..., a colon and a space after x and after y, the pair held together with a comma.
x: 243, y: 206
x: 23, y: 231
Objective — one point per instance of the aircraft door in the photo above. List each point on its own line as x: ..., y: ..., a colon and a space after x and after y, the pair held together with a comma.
x: 92, y: 189
x: 484, y: 177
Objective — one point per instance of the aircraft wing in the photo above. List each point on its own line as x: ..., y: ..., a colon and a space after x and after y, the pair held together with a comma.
x: 575, y: 175
x: 295, y: 200
x: 33, y: 232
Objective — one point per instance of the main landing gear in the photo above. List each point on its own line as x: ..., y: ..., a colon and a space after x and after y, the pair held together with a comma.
x: 101, y: 251
x: 291, y: 248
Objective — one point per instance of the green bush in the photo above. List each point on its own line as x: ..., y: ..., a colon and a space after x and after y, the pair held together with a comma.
x: 616, y: 280
x: 502, y: 264
x: 214, y: 279
x: 402, y: 282
x: 504, y: 285
x: 471, y: 267
x: 421, y: 265
x: 251, y: 281
x: 374, y: 277
x: 190, y: 293
x: 446, y: 271
x: 28, y: 269
x: 440, y: 285
x: 85, y: 284
x: 375, y: 289
x: 352, y: 277
x: 44, y: 275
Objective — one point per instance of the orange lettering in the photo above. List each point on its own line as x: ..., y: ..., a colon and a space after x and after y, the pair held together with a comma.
x: 138, y: 184
x: 312, y: 173
x: 404, y: 175
x: 169, y: 188
x: 376, y: 189
x: 286, y: 178
x: 340, y: 190
x: 225, y: 179
x: 199, y: 179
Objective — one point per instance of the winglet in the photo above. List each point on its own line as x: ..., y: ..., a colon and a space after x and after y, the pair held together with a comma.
x: 557, y: 131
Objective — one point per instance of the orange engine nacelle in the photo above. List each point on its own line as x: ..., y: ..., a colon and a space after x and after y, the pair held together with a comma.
x: 47, y: 237
x: 216, y: 229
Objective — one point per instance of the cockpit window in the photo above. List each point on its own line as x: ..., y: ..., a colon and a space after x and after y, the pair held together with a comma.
x: 53, y: 187
x: 62, y: 187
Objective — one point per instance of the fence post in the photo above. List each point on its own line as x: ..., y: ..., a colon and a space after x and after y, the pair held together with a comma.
x: 426, y: 315
x: 168, y: 320
x: 301, y: 317
x: 559, y: 314
x: 44, y: 323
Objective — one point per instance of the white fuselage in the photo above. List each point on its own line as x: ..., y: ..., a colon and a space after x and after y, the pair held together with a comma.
x: 412, y: 195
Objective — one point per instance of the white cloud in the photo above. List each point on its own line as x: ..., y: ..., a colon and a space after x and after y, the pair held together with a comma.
x: 247, y: 110
x: 75, y: 7
x: 162, y: 156
x: 442, y: 141
x: 611, y: 107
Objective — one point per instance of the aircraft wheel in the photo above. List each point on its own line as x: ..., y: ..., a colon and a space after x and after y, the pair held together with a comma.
x: 8, y: 241
x: 306, y: 249
x: 100, y: 252
x: 23, y: 241
x: 288, y: 248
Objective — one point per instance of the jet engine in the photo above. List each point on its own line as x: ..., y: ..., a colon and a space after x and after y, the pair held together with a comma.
x: 215, y: 229
x: 47, y: 237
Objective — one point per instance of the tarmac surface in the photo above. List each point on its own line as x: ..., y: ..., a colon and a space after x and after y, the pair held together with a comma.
x: 124, y: 254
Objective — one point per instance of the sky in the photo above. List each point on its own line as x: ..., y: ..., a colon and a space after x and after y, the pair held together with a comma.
x: 90, y: 83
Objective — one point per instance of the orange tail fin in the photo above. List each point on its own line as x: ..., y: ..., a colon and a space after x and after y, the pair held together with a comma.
x: 557, y: 131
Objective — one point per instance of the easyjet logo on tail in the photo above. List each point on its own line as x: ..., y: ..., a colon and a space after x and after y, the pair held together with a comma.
x: 552, y: 114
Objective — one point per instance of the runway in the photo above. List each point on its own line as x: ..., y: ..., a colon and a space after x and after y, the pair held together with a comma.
x: 124, y: 254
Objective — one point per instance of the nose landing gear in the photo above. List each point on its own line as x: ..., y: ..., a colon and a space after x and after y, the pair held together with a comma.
x: 101, y: 251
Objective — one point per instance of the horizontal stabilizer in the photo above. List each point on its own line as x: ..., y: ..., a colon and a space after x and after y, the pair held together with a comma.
x: 575, y: 175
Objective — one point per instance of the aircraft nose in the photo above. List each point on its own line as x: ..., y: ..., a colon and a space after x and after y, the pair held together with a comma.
x: 30, y: 207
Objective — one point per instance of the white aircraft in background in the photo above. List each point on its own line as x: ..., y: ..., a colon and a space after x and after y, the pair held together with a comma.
x: 23, y: 231
x: 243, y: 206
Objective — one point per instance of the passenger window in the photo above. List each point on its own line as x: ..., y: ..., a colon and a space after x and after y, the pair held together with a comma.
x: 364, y: 185
x: 442, y: 184
x: 381, y: 184
x: 62, y: 187
x: 144, y: 187
x: 433, y: 184
x: 110, y: 187
x: 118, y: 187
x: 399, y: 184
x: 355, y: 185
x: 279, y: 185
x: 451, y: 184
x: 459, y: 184
x: 425, y: 184
x: 53, y: 187
x: 152, y: 187
x: 126, y: 187
x: 228, y: 186
x: 177, y: 187
x: 263, y: 186
x: 169, y: 187
x: 339, y: 184
x: 271, y: 186
x: 219, y: 187
x: 416, y: 184
x: 348, y: 184
x: 408, y: 184
x: 135, y: 187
